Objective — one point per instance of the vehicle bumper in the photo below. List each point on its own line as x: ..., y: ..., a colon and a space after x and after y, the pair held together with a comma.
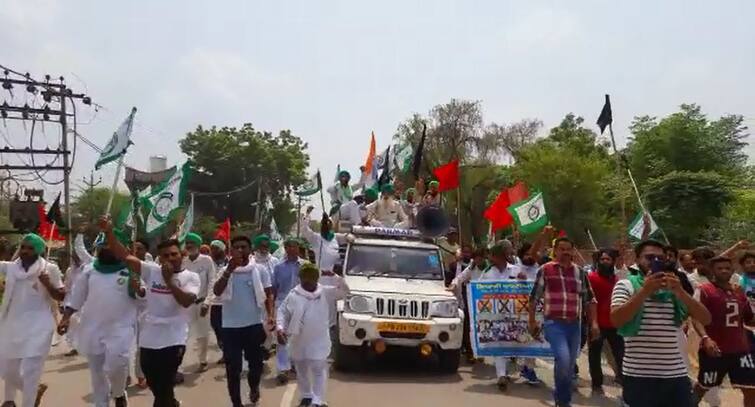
x: 359, y: 329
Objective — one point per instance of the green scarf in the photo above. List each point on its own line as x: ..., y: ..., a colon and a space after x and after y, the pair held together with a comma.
x: 328, y: 236
x: 115, y: 268
x: 632, y: 328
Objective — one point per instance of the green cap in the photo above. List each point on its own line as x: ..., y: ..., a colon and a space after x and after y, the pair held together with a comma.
x: 193, y: 238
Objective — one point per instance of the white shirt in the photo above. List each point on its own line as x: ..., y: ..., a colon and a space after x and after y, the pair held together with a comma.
x: 349, y: 212
x: 326, y: 252
x: 166, y: 322
x: 337, y: 290
x: 304, y: 317
x: 107, y: 313
x: 26, y: 314
x: 205, y: 269
x: 387, y: 213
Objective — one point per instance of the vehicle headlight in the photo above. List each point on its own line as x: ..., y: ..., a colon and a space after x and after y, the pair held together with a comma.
x: 360, y: 304
x: 445, y: 309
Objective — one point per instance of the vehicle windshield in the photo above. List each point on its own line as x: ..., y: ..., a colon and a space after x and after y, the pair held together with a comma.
x: 396, y: 262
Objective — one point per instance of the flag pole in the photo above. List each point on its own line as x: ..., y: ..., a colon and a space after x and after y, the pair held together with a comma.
x: 49, y: 240
x: 642, y: 206
x: 592, y: 241
x: 458, y: 213
x: 298, y: 217
x: 618, y: 174
x: 115, y: 186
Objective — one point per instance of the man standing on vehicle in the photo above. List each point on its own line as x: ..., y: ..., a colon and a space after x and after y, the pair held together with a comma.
x: 565, y: 291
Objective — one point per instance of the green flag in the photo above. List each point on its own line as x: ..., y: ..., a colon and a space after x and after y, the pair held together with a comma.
x: 636, y: 226
x: 311, y: 186
x: 530, y: 215
x: 126, y: 217
x: 119, y: 143
x: 402, y: 158
x: 188, y: 222
x: 165, y: 199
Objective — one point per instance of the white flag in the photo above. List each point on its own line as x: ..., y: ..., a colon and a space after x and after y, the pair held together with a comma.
x: 188, y: 222
x: 165, y: 199
x: 119, y: 143
x: 274, y: 233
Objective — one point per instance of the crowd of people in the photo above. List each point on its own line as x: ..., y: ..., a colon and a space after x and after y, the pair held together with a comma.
x: 641, y: 317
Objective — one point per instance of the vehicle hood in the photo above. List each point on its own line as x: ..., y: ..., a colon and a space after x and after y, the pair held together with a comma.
x: 397, y: 285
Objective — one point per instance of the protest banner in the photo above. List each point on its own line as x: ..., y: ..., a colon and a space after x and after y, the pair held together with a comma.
x: 498, y: 320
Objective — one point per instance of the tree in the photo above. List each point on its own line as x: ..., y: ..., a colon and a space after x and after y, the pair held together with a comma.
x: 737, y: 222
x: 512, y: 138
x: 572, y: 169
x: 686, y: 203
x: 227, y: 158
x: 91, y: 204
x: 686, y: 141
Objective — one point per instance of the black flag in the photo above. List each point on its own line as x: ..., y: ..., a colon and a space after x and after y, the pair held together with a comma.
x: 417, y: 163
x: 54, y: 215
x: 385, y: 176
x: 606, y: 116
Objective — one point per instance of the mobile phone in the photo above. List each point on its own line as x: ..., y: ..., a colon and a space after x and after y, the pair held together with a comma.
x: 656, y: 266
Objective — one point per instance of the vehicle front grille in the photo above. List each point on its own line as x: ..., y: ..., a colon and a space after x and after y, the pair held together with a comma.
x: 402, y: 335
x: 402, y: 308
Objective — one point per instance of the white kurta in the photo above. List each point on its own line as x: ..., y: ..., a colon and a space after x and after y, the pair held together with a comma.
x: 387, y: 213
x: 326, y: 252
x: 26, y: 314
x: 304, y: 317
x: 204, y: 267
x: 107, y: 313
x: 336, y: 289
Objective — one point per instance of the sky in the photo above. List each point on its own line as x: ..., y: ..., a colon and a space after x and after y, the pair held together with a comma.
x: 333, y: 71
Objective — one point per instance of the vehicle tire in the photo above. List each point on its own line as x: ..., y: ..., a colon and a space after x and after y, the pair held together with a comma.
x: 449, y: 360
x: 347, y: 358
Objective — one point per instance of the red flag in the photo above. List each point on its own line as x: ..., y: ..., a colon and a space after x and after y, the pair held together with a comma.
x: 448, y: 176
x: 224, y: 231
x: 46, y: 230
x: 518, y: 193
x: 497, y: 213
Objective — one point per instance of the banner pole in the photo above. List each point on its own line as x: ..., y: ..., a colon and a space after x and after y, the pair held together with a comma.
x: 115, y: 186
x: 458, y: 214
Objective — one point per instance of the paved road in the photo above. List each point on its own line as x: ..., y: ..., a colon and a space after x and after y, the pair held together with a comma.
x: 398, y: 382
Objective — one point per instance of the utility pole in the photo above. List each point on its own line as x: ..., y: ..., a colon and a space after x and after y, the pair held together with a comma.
x: 90, y: 184
x: 51, y: 93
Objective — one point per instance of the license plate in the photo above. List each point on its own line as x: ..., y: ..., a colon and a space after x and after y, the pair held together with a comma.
x: 399, y: 327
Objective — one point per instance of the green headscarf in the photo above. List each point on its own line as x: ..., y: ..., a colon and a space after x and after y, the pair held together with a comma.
x: 410, y: 190
x: 193, y: 238
x: 292, y: 241
x: 218, y: 243
x: 308, y: 269
x: 387, y: 189
x: 371, y: 194
x: 260, y: 239
x: 434, y: 184
x: 36, y: 242
x: 344, y: 174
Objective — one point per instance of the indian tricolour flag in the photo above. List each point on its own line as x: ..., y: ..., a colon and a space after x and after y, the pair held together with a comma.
x: 530, y: 215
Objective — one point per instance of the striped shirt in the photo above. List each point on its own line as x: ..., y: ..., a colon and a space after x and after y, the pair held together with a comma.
x: 654, y: 352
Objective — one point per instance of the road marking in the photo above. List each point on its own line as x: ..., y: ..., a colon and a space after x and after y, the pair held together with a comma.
x: 288, y: 395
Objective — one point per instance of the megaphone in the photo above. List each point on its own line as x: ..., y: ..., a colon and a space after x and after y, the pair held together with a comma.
x: 432, y: 221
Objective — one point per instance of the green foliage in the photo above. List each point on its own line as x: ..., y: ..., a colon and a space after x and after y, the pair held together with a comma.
x: 685, y: 203
x: 229, y: 157
x: 572, y: 169
x: 92, y: 203
x: 737, y: 222
x: 686, y: 141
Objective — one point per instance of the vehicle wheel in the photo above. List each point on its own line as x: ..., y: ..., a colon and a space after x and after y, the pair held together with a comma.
x: 449, y: 360
x: 347, y: 358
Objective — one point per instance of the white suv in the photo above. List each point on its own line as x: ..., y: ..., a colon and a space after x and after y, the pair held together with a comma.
x: 398, y: 299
